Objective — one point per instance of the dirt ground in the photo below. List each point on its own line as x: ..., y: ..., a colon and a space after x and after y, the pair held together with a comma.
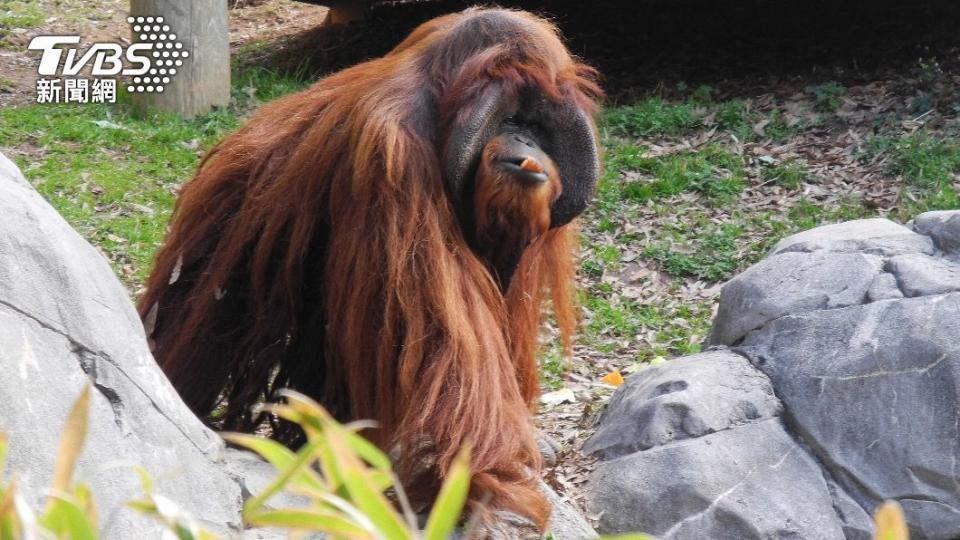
x: 251, y: 24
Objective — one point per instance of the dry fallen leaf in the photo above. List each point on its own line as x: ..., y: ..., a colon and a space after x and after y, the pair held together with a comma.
x: 613, y: 379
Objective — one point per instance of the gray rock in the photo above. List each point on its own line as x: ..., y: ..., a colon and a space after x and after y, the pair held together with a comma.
x: 854, y: 520
x: 684, y: 399
x: 753, y: 481
x: 874, y: 236
x: 566, y: 522
x: 893, y: 367
x: 65, y: 322
x: 10, y: 172
x: 791, y: 282
x: 884, y: 287
x: 942, y: 227
x: 922, y: 275
x: 855, y: 329
x: 699, y: 442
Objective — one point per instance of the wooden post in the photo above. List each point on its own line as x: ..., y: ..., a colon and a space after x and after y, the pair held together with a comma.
x: 203, y: 80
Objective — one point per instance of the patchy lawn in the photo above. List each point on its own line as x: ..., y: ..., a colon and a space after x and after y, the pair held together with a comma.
x: 114, y: 176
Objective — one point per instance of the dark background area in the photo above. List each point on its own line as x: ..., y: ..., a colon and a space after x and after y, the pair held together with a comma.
x: 655, y: 44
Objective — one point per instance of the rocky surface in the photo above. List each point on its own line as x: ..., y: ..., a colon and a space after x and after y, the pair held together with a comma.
x: 832, y: 383
x: 65, y: 321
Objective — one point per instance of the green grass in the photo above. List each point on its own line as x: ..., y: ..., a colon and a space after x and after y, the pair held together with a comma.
x: 615, y: 324
x: 553, y: 367
x: 777, y: 128
x: 19, y: 14
x: 709, y: 253
x: 791, y: 174
x: 702, y: 94
x: 74, y: 14
x: 732, y: 115
x: 713, y: 171
x: 653, y: 116
x: 925, y: 161
x: 609, y: 255
x: 114, y: 176
x: 807, y: 215
x: 927, y: 164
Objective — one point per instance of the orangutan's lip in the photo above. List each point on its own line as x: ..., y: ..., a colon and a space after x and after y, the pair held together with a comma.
x: 525, y: 169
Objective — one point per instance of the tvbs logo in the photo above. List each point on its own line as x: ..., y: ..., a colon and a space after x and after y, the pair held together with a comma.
x: 150, y: 64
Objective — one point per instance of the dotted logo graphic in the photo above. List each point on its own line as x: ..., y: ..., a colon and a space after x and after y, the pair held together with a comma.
x: 167, y: 55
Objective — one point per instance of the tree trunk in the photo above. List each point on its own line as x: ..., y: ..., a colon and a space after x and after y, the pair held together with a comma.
x: 202, y: 80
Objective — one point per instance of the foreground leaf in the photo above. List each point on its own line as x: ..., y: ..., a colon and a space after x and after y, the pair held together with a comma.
x: 303, y: 459
x: 67, y: 519
x: 178, y: 523
x: 453, y: 495
x: 363, y: 487
x: 71, y: 442
x: 280, y: 457
x: 3, y: 452
x: 311, y: 520
x: 890, y: 522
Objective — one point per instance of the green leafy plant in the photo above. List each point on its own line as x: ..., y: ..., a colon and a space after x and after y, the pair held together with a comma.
x: 346, y: 479
x: 732, y: 114
x: 777, y: 128
x: 826, y: 96
x: 928, y: 71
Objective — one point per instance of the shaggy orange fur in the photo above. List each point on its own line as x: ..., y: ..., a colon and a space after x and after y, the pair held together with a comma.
x: 317, y: 248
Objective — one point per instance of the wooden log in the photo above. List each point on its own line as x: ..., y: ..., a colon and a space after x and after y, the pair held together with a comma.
x: 203, y: 81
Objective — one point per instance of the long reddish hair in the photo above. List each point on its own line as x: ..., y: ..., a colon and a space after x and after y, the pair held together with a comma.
x: 318, y: 248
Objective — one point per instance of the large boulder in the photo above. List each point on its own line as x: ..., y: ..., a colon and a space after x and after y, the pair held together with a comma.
x: 831, y: 382
x: 65, y: 322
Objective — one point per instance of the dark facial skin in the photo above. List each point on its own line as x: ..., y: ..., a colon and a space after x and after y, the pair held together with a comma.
x: 515, y: 186
x: 561, y: 131
x: 522, y: 159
